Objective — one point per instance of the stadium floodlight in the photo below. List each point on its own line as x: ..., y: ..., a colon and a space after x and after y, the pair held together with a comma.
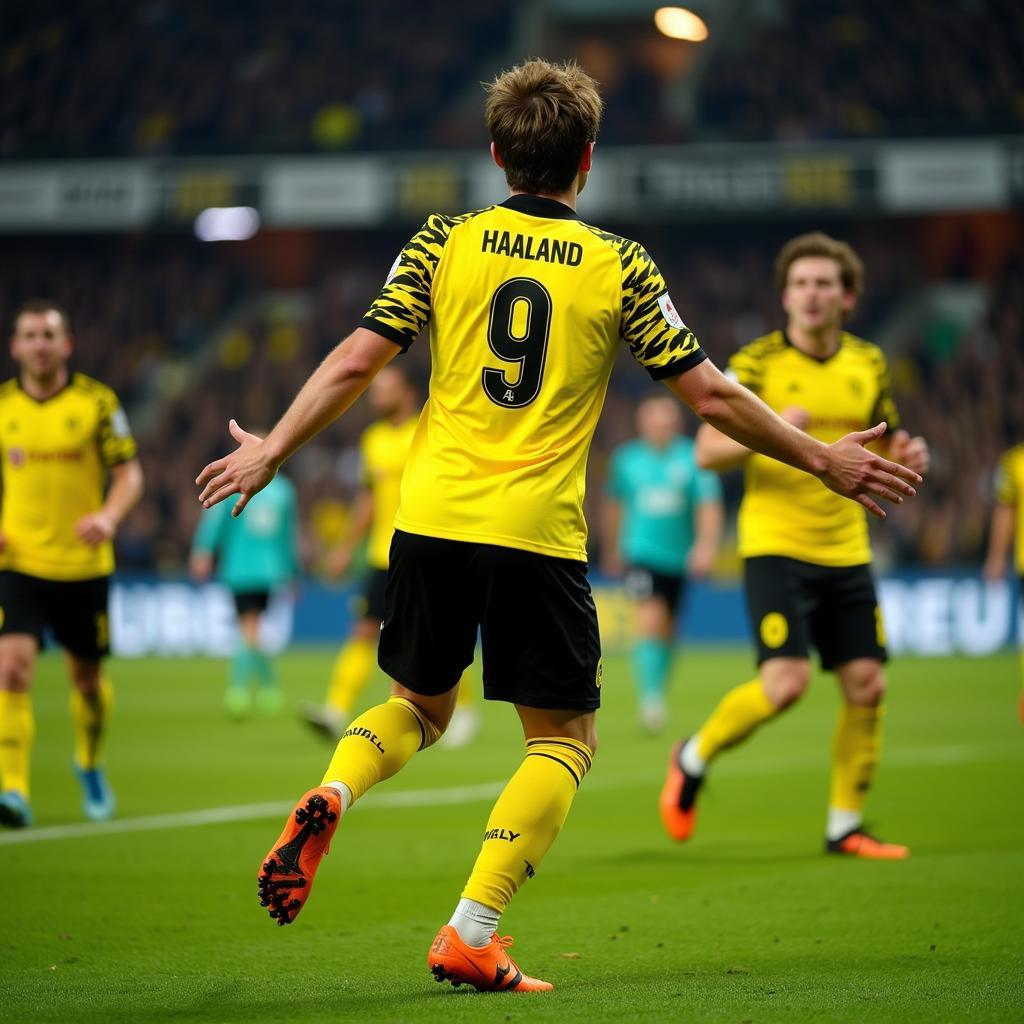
x: 679, y: 23
x: 227, y: 224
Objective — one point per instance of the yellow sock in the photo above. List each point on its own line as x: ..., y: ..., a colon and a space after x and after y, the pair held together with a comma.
x: 352, y: 671
x: 379, y: 743
x: 855, y: 750
x: 526, y: 819
x: 738, y: 714
x: 89, y: 719
x: 17, y: 731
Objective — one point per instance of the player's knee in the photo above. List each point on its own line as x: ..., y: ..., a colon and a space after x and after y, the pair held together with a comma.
x: 85, y: 677
x: 866, y: 687
x: 366, y: 630
x: 15, y: 672
x: 788, y: 686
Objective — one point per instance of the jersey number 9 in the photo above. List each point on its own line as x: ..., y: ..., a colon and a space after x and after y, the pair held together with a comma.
x: 517, y: 332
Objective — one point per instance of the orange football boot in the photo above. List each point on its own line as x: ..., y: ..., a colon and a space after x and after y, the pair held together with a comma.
x: 859, y: 843
x: 286, y: 875
x: 678, y: 802
x: 488, y: 968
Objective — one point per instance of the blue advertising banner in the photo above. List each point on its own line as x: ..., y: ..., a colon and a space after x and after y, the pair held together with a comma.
x: 923, y: 614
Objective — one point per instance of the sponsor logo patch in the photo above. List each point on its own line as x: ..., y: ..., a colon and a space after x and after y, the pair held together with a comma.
x: 774, y: 629
x: 669, y: 312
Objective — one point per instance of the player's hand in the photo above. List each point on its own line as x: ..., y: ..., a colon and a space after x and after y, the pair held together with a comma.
x: 95, y: 529
x: 856, y: 473
x: 3, y: 542
x: 337, y: 562
x: 702, y: 558
x: 246, y: 471
x: 911, y: 451
x: 798, y: 416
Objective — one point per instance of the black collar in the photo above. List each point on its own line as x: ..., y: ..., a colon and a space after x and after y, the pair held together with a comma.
x: 43, y: 401
x: 540, y: 206
x: 817, y: 359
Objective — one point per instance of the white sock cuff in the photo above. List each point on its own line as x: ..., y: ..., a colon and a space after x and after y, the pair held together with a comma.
x: 475, y: 922
x: 344, y: 792
x: 690, y: 760
x: 841, y: 822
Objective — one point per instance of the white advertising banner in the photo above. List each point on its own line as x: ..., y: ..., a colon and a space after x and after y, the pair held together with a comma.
x: 323, y: 193
x: 943, y: 176
x: 176, y: 619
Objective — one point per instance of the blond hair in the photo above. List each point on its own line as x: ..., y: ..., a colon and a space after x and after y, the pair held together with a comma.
x: 541, y: 116
x: 817, y: 243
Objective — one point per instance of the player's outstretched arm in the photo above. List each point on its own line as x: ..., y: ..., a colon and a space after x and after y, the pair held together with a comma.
x: 333, y: 386
x: 845, y: 467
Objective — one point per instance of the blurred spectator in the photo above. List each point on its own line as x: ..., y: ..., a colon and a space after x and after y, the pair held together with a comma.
x: 165, y: 78
x: 189, y: 339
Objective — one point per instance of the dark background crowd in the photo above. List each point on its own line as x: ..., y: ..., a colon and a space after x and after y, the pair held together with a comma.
x: 163, y: 77
x: 191, y: 334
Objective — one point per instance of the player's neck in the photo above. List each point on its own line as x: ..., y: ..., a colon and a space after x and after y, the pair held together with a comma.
x: 820, y: 344
x: 42, y: 388
x: 567, y: 198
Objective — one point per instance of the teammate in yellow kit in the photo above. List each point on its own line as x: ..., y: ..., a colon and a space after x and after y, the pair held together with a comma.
x: 527, y: 307
x: 1007, y: 520
x: 61, y: 436
x: 384, y: 450
x: 806, y: 551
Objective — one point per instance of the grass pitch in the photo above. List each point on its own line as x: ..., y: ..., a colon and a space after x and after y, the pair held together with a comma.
x: 158, y: 921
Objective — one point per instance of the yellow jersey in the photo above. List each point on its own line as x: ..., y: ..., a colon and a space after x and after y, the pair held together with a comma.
x: 1010, y: 491
x: 787, y: 512
x: 527, y: 307
x: 55, y: 456
x: 384, y: 448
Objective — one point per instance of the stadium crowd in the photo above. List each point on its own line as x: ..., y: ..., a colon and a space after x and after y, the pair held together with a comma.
x: 871, y: 69
x: 157, y: 78
x: 167, y: 78
x: 188, y: 335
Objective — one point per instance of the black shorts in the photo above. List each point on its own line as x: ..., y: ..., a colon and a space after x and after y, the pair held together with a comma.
x: 794, y: 604
x: 370, y: 602
x: 251, y: 601
x: 75, y: 610
x: 536, y: 616
x: 642, y: 583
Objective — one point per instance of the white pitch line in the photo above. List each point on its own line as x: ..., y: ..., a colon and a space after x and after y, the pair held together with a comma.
x: 910, y: 757
x: 246, y: 812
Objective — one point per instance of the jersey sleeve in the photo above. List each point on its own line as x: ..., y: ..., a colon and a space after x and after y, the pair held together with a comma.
x: 651, y: 326
x: 746, y: 367
x: 1005, y: 485
x: 885, y: 404
x: 707, y: 487
x: 402, y: 308
x: 114, y: 434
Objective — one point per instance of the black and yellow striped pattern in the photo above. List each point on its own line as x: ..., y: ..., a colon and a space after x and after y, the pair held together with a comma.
x: 402, y: 308
x: 663, y: 350
x: 575, y: 757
